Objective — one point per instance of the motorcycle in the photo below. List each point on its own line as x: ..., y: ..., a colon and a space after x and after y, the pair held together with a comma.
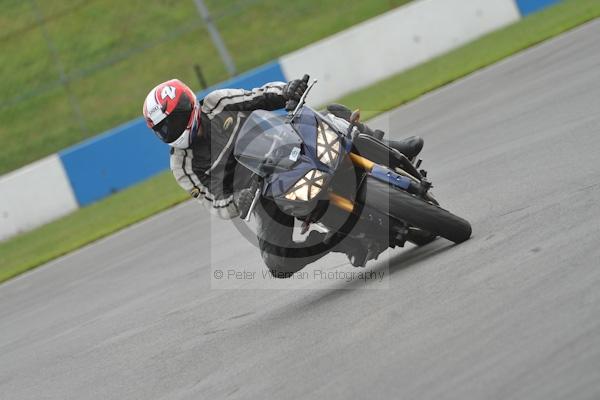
x: 323, y: 171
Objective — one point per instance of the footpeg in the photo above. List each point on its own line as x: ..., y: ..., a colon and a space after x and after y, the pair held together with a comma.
x: 425, y: 184
x: 420, y: 188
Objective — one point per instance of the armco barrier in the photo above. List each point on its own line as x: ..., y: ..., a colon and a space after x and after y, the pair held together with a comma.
x: 130, y: 153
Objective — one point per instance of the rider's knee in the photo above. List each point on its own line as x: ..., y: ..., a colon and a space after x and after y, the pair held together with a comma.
x: 281, y: 268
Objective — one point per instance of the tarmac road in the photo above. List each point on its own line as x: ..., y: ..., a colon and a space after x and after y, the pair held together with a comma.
x: 514, y: 313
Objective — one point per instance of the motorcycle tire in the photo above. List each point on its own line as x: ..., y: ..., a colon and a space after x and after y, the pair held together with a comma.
x: 415, y: 211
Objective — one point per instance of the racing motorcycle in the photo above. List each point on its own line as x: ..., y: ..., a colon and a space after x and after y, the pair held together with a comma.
x: 326, y: 173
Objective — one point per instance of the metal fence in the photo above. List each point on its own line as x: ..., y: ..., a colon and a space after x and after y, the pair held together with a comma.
x: 39, y: 18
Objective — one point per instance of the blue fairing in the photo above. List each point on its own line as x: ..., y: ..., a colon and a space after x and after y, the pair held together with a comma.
x: 305, y: 124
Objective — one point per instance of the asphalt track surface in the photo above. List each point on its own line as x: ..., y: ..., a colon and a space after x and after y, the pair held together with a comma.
x: 514, y: 313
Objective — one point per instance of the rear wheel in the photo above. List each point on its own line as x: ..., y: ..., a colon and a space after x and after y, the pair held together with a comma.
x: 415, y: 211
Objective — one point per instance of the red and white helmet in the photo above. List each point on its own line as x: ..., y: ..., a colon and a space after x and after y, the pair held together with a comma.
x: 171, y: 111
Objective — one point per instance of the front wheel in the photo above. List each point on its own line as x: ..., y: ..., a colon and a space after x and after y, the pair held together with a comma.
x: 415, y: 211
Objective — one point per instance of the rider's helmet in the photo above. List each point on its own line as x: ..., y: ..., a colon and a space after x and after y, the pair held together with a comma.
x: 171, y: 111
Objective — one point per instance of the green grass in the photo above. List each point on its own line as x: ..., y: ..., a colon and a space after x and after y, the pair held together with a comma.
x: 91, y: 33
x: 107, y: 216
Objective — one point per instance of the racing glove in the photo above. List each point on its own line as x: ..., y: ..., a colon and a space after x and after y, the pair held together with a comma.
x: 294, y: 90
x: 244, y: 202
x: 226, y: 211
x: 244, y: 198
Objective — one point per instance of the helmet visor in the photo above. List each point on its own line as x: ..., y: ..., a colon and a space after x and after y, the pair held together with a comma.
x: 170, y: 128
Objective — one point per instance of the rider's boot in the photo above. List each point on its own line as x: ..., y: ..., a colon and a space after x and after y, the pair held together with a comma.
x: 340, y: 111
x: 410, y: 147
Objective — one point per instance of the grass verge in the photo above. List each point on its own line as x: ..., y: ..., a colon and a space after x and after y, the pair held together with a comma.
x: 134, y: 204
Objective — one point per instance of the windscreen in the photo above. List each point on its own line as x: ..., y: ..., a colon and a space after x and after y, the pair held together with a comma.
x: 267, y: 143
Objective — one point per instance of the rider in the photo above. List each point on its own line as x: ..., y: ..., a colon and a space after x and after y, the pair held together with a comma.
x: 202, y: 135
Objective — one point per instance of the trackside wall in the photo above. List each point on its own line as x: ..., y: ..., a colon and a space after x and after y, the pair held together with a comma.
x: 394, y: 42
x: 34, y: 195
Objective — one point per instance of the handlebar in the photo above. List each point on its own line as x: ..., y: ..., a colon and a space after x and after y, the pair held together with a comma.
x: 302, y: 100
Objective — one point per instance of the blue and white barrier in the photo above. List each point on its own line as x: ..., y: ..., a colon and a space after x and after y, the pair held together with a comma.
x: 98, y: 167
x: 34, y: 195
x: 394, y: 42
x: 130, y: 153
x: 527, y: 7
x: 345, y: 62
